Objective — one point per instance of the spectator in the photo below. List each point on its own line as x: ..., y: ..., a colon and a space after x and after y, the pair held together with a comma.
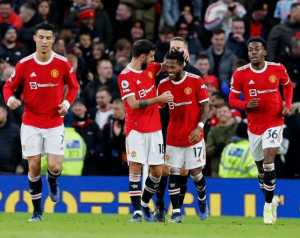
x: 123, y: 22
x: 60, y: 47
x: 30, y: 19
x: 236, y: 41
x: 103, y: 109
x: 259, y: 20
x: 91, y: 135
x: 219, y: 136
x: 11, y: 49
x: 220, y: 14
x: 171, y: 12
x: 122, y: 54
x: 283, y: 8
x: 279, y: 41
x: 236, y: 159
x: 8, y: 16
x: 114, y: 132
x: 221, y: 60
x: 10, y: 149
x: 44, y: 10
x: 105, y: 78
x: 211, y: 81
x: 103, y: 24
x: 98, y: 53
x: 165, y: 35
x: 137, y: 31
x: 293, y: 67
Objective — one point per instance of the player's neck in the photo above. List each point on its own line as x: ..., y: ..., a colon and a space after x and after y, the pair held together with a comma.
x: 258, y: 66
x: 135, y: 64
x: 179, y: 77
x: 43, y: 57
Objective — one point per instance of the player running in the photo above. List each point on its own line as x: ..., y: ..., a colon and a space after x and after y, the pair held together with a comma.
x: 43, y: 76
x: 185, y: 144
x: 259, y: 83
x: 144, y: 143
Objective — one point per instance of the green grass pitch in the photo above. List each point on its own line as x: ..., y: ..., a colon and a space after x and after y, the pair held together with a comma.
x: 88, y: 225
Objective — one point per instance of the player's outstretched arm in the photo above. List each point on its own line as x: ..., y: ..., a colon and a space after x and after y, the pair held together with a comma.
x: 135, y: 104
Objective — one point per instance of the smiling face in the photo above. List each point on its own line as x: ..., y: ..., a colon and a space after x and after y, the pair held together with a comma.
x: 174, y: 69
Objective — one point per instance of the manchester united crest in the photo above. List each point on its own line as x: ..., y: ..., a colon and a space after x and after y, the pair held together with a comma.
x: 188, y: 90
x: 273, y: 78
x: 54, y: 73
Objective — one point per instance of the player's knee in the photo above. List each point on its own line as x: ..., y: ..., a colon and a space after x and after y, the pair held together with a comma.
x: 184, y: 172
x: 174, y: 171
x: 269, y: 155
x: 165, y: 171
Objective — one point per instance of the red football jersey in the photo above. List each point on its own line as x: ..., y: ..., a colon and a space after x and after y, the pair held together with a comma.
x: 43, y: 85
x: 141, y: 84
x: 262, y: 84
x: 185, y: 111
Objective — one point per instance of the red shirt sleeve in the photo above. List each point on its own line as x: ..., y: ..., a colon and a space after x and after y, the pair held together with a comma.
x: 235, y: 91
x: 202, y: 94
x: 287, y: 87
x: 154, y: 68
x: 13, y: 83
x: 72, y: 83
x: 236, y: 86
x: 126, y: 86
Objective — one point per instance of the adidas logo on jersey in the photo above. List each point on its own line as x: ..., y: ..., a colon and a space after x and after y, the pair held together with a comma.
x: 138, y: 82
x: 32, y: 75
x: 251, y: 82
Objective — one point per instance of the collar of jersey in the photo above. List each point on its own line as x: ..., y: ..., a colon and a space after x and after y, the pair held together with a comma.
x: 134, y: 70
x: 181, y: 80
x: 41, y: 62
x: 260, y: 70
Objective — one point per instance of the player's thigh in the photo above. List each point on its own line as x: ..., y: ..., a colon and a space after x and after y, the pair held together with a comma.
x: 135, y: 147
x: 174, y: 157
x: 54, y: 140
x: 255, y: 144
x: 195, y: 156
x: 31, y: 140
x: 155, y: 150
x: 272, y: 137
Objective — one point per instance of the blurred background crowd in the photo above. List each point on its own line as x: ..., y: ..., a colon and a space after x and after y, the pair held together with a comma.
x: 97, y: 35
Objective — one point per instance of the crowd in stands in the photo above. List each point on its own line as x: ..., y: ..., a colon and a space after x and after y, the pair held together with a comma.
x: 97, y: 35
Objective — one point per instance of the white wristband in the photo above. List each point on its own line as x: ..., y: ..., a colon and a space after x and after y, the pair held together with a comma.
x: 66, y: 104
x: 201, y: 124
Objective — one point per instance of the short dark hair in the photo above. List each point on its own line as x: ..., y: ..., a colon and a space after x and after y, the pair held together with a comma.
x: 237, y: 19
x: 259, y: 40
x: 45, y: 26
x: 104, y: 89
x: 175, y: 55
x: 218, y: 32
x: 142, y: 47
x: 202, y: 56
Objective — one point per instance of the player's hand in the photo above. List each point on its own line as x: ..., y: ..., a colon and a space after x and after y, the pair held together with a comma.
x: 253, y: 103
x: 285, y: 109
x: 166, y: 97
x: 63, y: 108
x: 13, y: 103
x: 196, y: 135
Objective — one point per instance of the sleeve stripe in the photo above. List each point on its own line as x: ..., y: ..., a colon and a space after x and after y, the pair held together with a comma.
x: 127, y: 95
x: 204, y: 100
x: 287, y: 82
x: 235, y: 91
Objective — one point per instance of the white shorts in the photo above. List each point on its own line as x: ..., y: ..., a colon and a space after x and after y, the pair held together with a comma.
x: 145, y: 148
x: 271, y: 138
x: 37, y: 141
x: 186, y: 157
